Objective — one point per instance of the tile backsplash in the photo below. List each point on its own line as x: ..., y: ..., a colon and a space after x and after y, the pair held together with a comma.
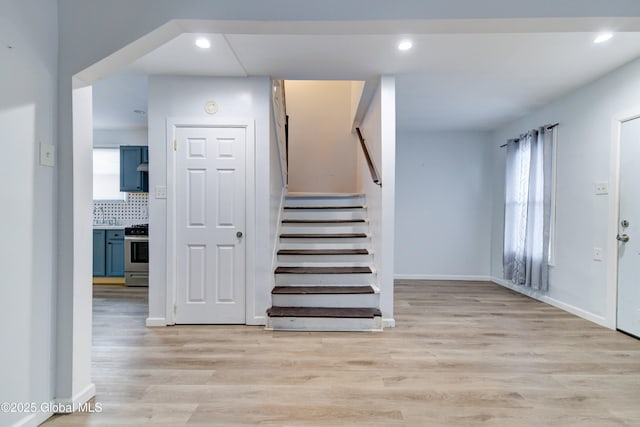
x: 134, y: 211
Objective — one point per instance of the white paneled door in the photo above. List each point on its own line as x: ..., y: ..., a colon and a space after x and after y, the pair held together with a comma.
x: 210, y: 220
x: 629, y: 230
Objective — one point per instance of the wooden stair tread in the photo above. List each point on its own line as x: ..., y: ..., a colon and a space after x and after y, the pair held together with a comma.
x: 305, y: 195
x: 322, y: 270
x: 321, y: 235
x: 323, y: 252
x: 322, y: 290
x: 325, y: 207
x: 320, y: 221
x: 349, y: 312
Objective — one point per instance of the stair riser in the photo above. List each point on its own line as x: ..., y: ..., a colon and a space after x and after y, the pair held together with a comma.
x: 325, y: 228
x: 324, y: 245
x: 324, y: 260
x: 342, y: 300
x: 325, y: 214
x: 325, y: 279
x: 324, y: 324
x: 368, y: 259
x: 324, y: 201
x: 331, y: 241
x: 323, y: 300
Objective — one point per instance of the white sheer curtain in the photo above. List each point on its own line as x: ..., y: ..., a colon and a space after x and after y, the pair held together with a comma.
x: 528, y: 208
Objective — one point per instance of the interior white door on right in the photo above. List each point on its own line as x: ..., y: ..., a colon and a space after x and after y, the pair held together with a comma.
x: 628, y: 316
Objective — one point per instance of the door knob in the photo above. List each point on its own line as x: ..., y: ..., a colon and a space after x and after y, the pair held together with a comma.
x: 239, y: 234
x: 622, y: 238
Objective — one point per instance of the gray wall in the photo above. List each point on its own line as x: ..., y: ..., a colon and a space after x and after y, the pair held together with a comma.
x: 28, y: 256
x: 237, y: 99
x: 578, y: 283
x: 443, y: 206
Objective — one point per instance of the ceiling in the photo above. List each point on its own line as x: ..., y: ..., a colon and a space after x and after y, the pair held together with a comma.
x: 445, y: 82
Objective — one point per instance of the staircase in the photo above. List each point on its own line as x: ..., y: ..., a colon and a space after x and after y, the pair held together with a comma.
x: 325, y: 280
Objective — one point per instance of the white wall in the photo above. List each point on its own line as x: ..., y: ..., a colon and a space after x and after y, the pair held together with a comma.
x: 322, y: 148
x: 379, y: 130
x: 87, y: 35
x: 443, y: 206
x: 237, y: 99
x: 28, y: 84
x: 357, y: 88
x: 277, y: 193
x: 577, y: 282
x: 105, y: 138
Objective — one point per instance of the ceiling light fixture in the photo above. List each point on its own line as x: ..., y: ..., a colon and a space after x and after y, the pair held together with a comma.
x: 405, y: 45
x: 603, y: 37
x: 203, y: 43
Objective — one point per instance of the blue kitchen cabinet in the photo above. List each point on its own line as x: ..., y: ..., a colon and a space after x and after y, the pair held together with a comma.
x: 131, y: 179
x: 108, y: 253
x: 115, y: 253
x: 99, y: 253
x: 145, y: 154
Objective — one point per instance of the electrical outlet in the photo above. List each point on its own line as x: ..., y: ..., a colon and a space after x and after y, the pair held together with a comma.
x: 597, y: 254
x: 161, y: 192
x: 601, y: 187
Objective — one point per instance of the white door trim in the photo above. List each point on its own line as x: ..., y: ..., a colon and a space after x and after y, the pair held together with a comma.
x: 614, y: 212
x: 250, y: 218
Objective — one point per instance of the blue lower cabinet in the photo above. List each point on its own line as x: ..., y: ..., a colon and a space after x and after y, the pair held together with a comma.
x: 99, y: 253
x: 108, y: 253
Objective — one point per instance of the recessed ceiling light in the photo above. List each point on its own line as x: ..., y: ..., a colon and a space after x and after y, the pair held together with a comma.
x: 203, y: 43
x: 405, y: 45
x: 602, y: 37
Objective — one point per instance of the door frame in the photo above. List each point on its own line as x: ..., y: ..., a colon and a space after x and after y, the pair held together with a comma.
x: 250, y: 218
x: 612, y: 246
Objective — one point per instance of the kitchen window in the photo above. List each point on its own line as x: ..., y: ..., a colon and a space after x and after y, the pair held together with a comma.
x: 106, y: 175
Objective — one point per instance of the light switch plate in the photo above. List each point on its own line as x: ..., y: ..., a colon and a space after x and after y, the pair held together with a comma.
x: 597, y: 254
x: 47, y: 155
x: 601, y: 187
x: 161, y: 192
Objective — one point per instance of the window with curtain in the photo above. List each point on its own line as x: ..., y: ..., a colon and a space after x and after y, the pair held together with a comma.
x: 528, y: 208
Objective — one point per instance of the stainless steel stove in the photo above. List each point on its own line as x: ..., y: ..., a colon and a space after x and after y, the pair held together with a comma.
x: 136, y: 252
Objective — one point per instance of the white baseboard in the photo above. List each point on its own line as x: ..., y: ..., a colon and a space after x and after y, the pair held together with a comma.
x: 464, y: 278
x: 79, y: 398
x: 600, y: 320
x: 257, y: 321
x: 156, y: 322
x: 389, y: 323
x: 35, y: 419
x: 73, y: 403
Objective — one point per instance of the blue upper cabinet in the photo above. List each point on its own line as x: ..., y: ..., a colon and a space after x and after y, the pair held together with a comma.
x: 131, y: 179
x: 145, y: 154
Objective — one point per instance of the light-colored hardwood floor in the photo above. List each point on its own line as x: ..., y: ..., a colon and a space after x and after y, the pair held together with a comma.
x: 462, y: 354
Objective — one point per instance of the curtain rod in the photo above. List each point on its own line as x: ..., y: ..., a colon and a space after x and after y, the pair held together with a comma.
x: 547, y: 127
